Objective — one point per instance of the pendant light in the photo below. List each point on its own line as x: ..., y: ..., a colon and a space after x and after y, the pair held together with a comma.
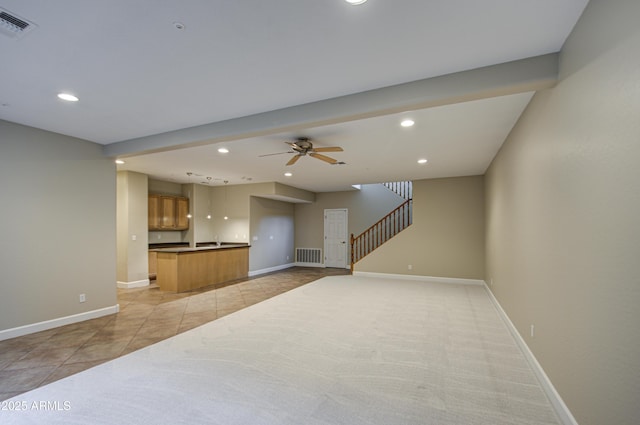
x: 189, y: 175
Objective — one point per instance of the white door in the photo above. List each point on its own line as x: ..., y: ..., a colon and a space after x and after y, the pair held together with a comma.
x: 336, y: 238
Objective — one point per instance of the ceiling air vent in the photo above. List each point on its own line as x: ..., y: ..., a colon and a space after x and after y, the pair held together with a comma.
x: 13, y: 26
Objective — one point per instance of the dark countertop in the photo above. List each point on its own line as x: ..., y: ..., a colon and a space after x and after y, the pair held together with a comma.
x: 180, y: 249
x: 153, y: 246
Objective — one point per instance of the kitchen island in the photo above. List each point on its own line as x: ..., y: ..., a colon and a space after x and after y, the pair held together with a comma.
x: 183, y: 269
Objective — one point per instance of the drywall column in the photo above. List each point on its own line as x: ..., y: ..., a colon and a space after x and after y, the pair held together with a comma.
x: 132, y: 230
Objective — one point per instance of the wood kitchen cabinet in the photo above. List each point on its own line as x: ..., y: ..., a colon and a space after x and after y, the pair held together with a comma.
x: 153, y: 264
x: 188, y: 269
x: 154, y: 212
x: 182, y: 210
x: 168, y: 208
x: 168, y: 212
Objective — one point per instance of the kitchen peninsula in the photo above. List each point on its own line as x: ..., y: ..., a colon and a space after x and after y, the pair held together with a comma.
x: 182, y: 269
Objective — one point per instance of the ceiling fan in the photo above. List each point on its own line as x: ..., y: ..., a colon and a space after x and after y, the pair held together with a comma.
x: 303, y: 146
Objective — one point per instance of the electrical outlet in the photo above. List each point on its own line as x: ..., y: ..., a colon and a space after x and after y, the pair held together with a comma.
x: 410, y: 267
x: 83, y: 298
x: 532, y: 331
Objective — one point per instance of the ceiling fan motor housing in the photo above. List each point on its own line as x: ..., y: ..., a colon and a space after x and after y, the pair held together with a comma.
x: 304, y: 144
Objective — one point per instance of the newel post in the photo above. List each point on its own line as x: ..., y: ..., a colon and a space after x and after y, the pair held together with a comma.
x: 351, y: 241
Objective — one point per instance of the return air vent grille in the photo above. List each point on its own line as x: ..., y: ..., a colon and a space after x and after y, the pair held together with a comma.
x: 13, y: 26
x: 308, y: 256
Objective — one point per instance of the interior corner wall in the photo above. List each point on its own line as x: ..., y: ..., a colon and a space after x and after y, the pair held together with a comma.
x: 563, y: 227
x: 446, y: 238
x: 272, y: 234
x: 233, y: 202
x: 58, y: 226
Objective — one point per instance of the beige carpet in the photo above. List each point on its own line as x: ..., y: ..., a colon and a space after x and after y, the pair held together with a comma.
x: 342, y: 350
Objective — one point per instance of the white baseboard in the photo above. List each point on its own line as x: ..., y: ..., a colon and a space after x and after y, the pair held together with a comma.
x: 561, y: 409
x: 134, y: 284
x: 434, y: 279
x: 54, y: 323
x: 320, y: 265
x: 270, y: 269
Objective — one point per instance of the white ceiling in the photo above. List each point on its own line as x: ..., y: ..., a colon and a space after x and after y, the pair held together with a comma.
x: 375, y: 150
x: 137, y: 76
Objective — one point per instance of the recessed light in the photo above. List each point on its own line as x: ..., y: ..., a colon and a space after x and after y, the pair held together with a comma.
x: 288, y: 174
x: 355, y: 2
x: 68, y: 97
x: 422, y: 161
x: 407, y: 123
x: 223, y: 150
x: 119, y: 161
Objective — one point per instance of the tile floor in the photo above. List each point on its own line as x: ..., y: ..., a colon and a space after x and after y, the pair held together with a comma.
x: 147, y: 315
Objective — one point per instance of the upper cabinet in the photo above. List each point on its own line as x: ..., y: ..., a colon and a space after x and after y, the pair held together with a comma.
x: 182, y: 212
x: 168, y: 212
x: 154, y: 212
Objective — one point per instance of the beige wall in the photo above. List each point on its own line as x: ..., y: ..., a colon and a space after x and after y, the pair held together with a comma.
x: 446, y: 238
x: 563, y: 219
x: 162, y: 187
x: 58, y: 226
x: 272, y: 232
x: 234, y: 203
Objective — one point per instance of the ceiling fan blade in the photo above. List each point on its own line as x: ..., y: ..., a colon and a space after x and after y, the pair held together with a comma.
x: 328, y: 149
x: 293, y: 160
x: 324, y: 158
x: 279, y: 153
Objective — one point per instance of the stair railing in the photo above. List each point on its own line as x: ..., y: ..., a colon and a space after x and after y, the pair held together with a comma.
x: 402, y: 188
x: 383, y: 230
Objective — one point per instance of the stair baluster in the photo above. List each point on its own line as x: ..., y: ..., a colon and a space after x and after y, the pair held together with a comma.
x: 383, y: 230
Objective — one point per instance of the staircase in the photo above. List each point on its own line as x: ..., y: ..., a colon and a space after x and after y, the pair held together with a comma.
x: 387, y: 227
